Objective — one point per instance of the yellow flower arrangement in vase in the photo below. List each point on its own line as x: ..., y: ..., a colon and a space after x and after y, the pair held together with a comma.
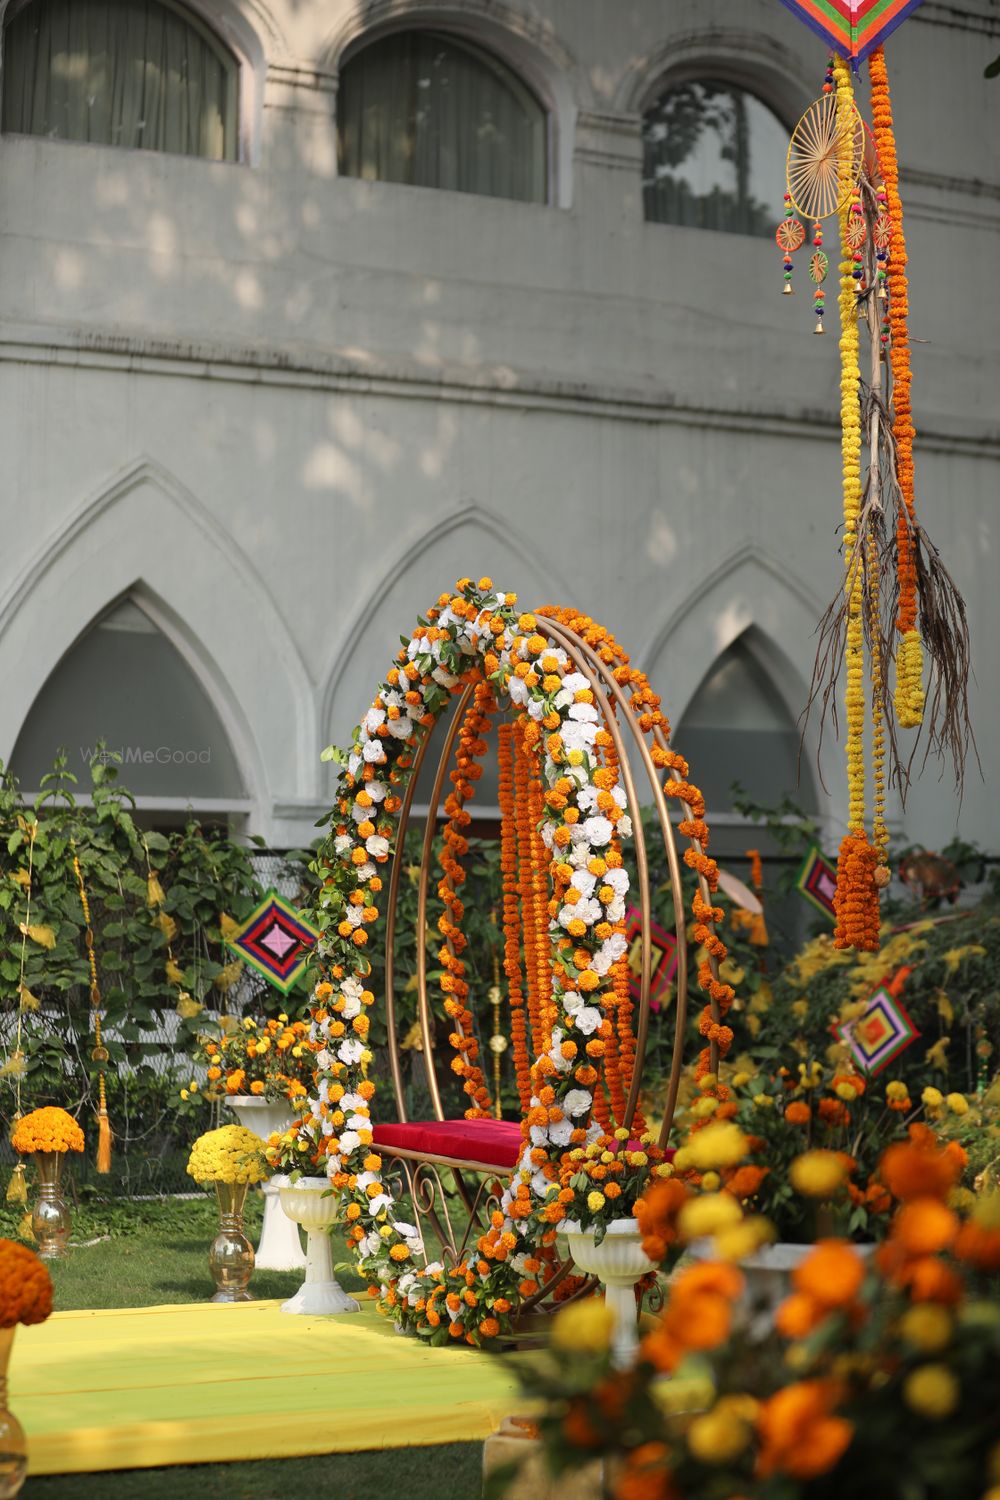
x: 230, y: 1154
x: 233, y: 1158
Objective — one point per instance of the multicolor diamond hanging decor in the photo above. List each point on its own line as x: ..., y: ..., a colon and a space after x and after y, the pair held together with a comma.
x: 276, y: 941
x: 663, y: 958
x: 853, y: 27
x: 818, y: 881
x: 882, y: 1032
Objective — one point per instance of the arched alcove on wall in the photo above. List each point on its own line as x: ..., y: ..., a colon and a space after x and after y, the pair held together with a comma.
x: 124, y: 684
x: 202, y: 592
x: 738, y: 729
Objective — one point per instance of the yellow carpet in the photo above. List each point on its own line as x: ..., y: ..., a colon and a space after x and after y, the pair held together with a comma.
x: 140, y: 1387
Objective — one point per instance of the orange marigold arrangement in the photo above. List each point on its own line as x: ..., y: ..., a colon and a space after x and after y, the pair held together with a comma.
x: 47, y: 1129
x: 881, y: 1376
x: 25, y: 1286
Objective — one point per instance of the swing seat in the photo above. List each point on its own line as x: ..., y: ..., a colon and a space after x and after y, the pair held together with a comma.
x: 478, y: 1145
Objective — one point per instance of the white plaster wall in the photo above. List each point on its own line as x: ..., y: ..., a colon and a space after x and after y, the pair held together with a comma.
x: 293, y: 408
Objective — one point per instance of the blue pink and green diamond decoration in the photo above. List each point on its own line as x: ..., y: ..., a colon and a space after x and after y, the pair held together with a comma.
x: 817, y: 881
x: 663, y: 962
x: 276, y: 941
x: 881, y: 1033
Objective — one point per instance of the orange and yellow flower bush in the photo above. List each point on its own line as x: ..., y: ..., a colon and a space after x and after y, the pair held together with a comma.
x: 47, y: 1129
x: 274, y: 1059
x: 25, y: 1286
x: 881, y: 1376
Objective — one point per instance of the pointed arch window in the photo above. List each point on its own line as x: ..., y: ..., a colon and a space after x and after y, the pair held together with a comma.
x: 138, y: 73
x: 737, y: 728
x: 433, y: 110
x: 126, y: 684
x: 712, y: 153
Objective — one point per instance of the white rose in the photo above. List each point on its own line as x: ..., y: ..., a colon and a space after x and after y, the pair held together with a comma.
x: 376, y: 845
x: 376, y: 790
x: 587, y: 1020
x: 373, y: 752
x: 576, y: 1102
x: 374, y: 719
x: 597, y: 832
x: 349, y: 1142
x: 560, y: 1132
x: 583, y: 713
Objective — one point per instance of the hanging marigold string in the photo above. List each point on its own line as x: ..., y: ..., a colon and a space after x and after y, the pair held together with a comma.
x: 471, y: 748
x: 100, y: 1052
x: 512, y: 915
x: 535, y: 934
x: 909, y: 657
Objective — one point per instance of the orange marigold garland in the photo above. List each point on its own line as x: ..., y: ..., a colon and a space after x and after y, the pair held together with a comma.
x: 909, y: 659
x: 471, y: 746
x: 512, y: 915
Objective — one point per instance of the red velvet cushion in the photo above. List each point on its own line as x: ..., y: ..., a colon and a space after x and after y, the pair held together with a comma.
x: 496, y: 1142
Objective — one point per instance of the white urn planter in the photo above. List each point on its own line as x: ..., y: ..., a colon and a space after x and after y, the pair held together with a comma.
x: 280, y: 1247
x: 620, y: 1263
x: 768, y: 1276
x: 310, y: 1203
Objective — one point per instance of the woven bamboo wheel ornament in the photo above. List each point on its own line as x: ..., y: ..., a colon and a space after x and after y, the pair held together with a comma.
x: 821, y: 142
x: 790, y: 235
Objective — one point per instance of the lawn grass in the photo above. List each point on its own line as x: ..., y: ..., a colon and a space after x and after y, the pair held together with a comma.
x: 447, y: 1472
x: 151, y: 1253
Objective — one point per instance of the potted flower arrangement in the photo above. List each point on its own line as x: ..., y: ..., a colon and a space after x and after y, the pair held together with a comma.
x: 599, y: 1185
x: 46, y: 1135
x: 232, y: 1158
x: 880, y: 1378
x: 298, y: 1156
x: 264, y: 1070
x: 25, y: 1297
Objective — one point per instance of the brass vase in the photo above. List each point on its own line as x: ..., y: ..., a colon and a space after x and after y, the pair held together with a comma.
x: 50, y: 1221
x: 13, y: 1444
x: 230, y: 1258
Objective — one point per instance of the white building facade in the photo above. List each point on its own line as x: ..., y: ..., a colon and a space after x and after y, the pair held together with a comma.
x: 259, y: 405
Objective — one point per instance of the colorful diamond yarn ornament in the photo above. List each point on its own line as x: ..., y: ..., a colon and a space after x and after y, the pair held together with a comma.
x: 853, y: 28
x: 817, y: 881
x: 663, y: 963
x: 880, y: 1033
x: 276, y: 941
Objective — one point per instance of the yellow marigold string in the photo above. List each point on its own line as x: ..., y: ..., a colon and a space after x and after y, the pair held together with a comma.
x: 909, y: 695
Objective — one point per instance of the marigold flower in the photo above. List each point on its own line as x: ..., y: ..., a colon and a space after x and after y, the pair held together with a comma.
x: 831, y: 1274
x: 932, y: 1391
x: 799, y: 1435
x: 817, y: 1174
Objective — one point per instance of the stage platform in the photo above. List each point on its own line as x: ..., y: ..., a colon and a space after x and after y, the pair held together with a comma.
x: 199, y: 1383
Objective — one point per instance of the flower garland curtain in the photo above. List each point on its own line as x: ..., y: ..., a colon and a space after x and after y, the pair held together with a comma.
x: 136, y: 73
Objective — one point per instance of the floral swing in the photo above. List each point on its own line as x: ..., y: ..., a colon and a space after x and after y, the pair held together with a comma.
x: 573, y: 720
